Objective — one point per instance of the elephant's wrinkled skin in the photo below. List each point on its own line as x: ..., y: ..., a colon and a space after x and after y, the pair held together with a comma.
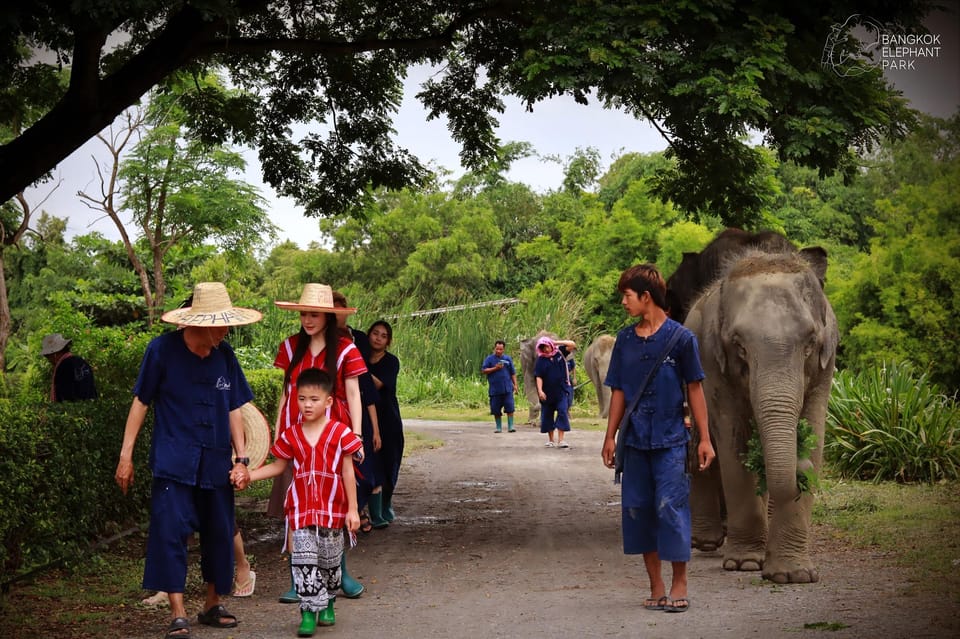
x: 768, y: 340
x: 596, y: 361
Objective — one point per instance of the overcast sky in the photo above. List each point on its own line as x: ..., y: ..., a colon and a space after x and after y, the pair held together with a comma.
x: 557, y: 127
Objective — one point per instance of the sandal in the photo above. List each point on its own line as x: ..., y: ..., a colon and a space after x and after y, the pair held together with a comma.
x: 176, y: 628
x: 656, y: 604
x: 680, y: 604
x: 246, y: 590
x: 215, y: 616
x: 365, y: 524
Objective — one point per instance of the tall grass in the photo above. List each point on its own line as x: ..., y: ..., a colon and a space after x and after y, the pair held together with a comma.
x: 891, y: 422
x: 440, y: 354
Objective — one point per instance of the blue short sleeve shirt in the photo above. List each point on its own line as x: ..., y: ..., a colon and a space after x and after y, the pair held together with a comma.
x: 501, y: 381
x: 192, y: 398
x: 657, y: 421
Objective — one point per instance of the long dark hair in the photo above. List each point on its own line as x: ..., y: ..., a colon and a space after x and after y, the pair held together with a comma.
x: 331, y: 335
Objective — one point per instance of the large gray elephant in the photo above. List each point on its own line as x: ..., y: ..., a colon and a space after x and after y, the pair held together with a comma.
x: 596, y: 361
x: 768, y: 340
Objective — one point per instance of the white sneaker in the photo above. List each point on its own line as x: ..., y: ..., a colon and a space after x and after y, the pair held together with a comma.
x: 563, y: 445
x: 550, y: 445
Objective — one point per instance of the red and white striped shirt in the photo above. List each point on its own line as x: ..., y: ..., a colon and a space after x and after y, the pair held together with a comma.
x: 317, y: 496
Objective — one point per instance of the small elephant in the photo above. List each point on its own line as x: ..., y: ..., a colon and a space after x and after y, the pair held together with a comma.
x: 768, y: 341
x: 698, y: 270
x: 596, y: 361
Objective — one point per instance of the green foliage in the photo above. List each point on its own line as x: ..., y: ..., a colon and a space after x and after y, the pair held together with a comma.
x: 891, y: 423
x: 705, y: 73
x: 807, y: 479
x: 901, y: 300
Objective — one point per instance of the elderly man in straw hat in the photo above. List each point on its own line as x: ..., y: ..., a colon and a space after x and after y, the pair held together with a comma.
x: 195, y: 384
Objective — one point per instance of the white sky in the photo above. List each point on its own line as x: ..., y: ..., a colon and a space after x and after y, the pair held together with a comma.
x: 557, y: 127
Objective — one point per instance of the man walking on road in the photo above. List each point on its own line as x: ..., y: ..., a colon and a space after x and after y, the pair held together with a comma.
x: 502, y: 379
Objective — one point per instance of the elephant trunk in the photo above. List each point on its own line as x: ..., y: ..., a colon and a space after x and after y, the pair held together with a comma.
x: 777, y: 402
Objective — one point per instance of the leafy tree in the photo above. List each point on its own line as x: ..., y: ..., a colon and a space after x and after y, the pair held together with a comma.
x: 705, y: 73
x: 178, y: 191
x: 902, y: 302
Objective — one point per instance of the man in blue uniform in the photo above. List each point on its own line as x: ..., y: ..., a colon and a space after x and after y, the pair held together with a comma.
x: 502, y: 379
x: 195, y: 384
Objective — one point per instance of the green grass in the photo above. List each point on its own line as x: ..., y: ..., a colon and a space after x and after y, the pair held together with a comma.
x: 918, y: 525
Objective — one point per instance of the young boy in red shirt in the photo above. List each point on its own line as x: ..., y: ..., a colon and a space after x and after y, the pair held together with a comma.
x: 321, y: 499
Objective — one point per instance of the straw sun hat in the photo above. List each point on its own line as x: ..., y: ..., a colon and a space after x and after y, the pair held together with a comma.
x: 256, y: 433
x: 316, y: 298
x: 53, y: 343
x: 211, y: 306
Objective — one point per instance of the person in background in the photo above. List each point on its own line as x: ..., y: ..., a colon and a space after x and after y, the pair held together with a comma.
x: 322, y: 499
x: 554, y: 388
x: 72, y: 378
x: 502, y: 385
x: 195, y: 384
x: 384, y: 369
x: 318, y: 344
x: 655, y: 488
x: 369, y: 480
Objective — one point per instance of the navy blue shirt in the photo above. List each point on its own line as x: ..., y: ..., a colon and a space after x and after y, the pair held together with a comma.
x: 657, y: 421
x: 192, y: 397
x: 501, y: 381
x: 555, y: 374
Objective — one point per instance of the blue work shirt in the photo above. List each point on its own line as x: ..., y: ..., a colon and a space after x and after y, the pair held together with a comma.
x: 657, y: 421
x: 192, y: 397
x: 501, y: 381
x: 555, y: 374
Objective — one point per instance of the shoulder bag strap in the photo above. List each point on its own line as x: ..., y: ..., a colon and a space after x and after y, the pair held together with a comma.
x: 621, y: 435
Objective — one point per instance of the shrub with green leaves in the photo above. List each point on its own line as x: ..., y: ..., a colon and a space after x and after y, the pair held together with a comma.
x: 753, y: 461
x: 892, y: 423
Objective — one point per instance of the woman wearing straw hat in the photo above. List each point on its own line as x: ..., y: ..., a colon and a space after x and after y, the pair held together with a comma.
x: 309, y: 349
x: 197, y: 389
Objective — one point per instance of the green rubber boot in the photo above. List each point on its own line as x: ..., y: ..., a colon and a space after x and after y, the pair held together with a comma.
x: 375, y: 506
x: 308, y: 623
x: 387, y: 508
x: 326, y: 617
x: 351, y: 587
x: 291, y: 595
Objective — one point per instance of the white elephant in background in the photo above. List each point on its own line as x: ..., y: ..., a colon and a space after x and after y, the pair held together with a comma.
x: 596, y: 361
x: 768, y: 340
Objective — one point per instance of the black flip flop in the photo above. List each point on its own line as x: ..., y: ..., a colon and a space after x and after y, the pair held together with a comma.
x: 178, y: 624
x: 213, y: 617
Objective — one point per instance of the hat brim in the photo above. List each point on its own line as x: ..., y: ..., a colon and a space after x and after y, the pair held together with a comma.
x: 55, y: 348
x: 233, y: 316
x: 306, y: 308
x: 256, y: 434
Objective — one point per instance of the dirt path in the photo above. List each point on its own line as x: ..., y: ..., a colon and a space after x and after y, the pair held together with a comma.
x: 498, y: 536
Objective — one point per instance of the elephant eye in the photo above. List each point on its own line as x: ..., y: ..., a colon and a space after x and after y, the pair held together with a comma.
x: 810, y: 346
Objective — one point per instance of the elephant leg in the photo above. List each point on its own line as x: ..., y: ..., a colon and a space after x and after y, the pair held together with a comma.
x: 746, y: 514
x: 706, y: 509
x: 788, y: 558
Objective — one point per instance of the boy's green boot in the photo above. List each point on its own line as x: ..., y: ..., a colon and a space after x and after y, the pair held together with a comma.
x: 326, y: 617
x: 351, y: 587
x: 291, y: 595
x: 308, y: 623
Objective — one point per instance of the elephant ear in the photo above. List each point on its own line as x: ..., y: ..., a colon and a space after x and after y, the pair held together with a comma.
x: 831, y: 336
x: 816, y: 257
x: 704, y: 325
